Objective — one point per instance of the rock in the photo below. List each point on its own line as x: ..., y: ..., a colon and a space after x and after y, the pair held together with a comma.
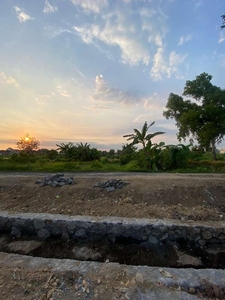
x: 191, y: 290
x: 111, y: 185
x: 165, y: 273
x: 202, y: 242
x: 187, y: 260
x: 15, y: 232
x: 84, y: 253
x: 110, y: 189
x: 139, y: 278
x: 56, y: 180
x: 206, y: 235
x: 153, y: 240
x: 23, y: 247
x: 43, y: 233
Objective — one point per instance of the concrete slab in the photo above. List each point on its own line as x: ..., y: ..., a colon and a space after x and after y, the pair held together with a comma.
x: 91, y: 280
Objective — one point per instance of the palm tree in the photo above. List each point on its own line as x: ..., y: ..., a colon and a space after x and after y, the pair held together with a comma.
x: 141, y: 137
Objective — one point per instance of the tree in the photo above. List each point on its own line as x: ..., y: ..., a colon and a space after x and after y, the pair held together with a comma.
x: 144, y: 138
x: 28, y: 143
x: 223, y: 25
x: 66, y: 149
x: 202, y: 117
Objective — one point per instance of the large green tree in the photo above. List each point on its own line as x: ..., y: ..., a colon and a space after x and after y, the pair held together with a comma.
x: 202, y: 117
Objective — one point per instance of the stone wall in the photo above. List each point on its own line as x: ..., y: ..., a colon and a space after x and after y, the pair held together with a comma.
x: 85, y: 228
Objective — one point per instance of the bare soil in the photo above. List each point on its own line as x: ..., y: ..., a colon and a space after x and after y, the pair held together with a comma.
x: 162, y: 196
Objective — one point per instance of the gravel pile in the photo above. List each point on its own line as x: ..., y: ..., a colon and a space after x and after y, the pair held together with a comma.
x: 55, y: 180
x: 111, y: 185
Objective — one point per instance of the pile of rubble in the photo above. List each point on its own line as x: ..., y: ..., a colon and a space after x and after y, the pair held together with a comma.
x: 55, y: 180
x: 111, y: 185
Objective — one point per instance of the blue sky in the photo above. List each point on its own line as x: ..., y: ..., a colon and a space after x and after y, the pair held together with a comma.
x: 92, y: 70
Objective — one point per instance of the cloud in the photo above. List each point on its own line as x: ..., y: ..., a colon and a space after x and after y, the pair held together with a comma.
x: 65, y: 94
x: 135, y: 40
x: 133, y: 52
x: 103, y: 92
x: 81, y: 74
x: 61, y: 91
x: 184, y: 39
x: 97, y: 107
x: 91, y: 6
x: 48, y: 9
x: 168, y: 66
x: 222, y: 38
x: 8, y: 80
x: 21, y: 15
x: 154, y: 102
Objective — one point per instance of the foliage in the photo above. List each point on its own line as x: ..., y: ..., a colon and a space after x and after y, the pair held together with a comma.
x: 79, y: 152
x: 52, y: 154
x: 174, y: 157
x: 28, y: 143
x: 223, y: 18
x: 127, y: 153
x: 203, y: 118
x: 144, y: 138
x: 22, y: 157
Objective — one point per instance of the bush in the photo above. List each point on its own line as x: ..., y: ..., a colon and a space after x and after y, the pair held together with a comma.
x: 22, y: 157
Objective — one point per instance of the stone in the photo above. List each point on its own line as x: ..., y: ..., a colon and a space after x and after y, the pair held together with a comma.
x: 80, y: 233
x: 153, y: 240
x: 111, y: 185
x: 56, y: 180
x: 110, y: 189
x: 206, y: 235
x: 84, y: 253
x: 39, y: 224
x: 202, y: 242
x: 23, y: 247
x: 15, y: 232
x: 43, y: 233
x: 164, y: 237
x: 187, y: 260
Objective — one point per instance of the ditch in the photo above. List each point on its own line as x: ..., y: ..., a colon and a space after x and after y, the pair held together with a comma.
x: 123, y: 251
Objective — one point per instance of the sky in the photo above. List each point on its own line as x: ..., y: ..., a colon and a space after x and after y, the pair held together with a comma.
x: 93, y: 70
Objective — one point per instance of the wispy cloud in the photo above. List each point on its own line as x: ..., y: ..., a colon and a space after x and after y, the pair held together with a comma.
x: 184, y: 39
x: 61, y: 91
x: 163, y: 65
x: 103, y: 92
x: 132, y: 51
x: 97, y: 107
x: 65, y: 94
x: 154, y: 101
x: 135, y: 40
x: 21, y: 15
x: 8, y: 80
x: 81, y: 74
x: 222, y: 38
x: 91, y: 6
x: 48, y: 9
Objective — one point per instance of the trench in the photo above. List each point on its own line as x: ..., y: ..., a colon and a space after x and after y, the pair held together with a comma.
x: 122, y: 250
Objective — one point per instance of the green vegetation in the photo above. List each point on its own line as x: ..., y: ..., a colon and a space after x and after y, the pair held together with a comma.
x: 171, y: 158
x: 149, y: 153
x: 203, y: 117
x: 200, y: 119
